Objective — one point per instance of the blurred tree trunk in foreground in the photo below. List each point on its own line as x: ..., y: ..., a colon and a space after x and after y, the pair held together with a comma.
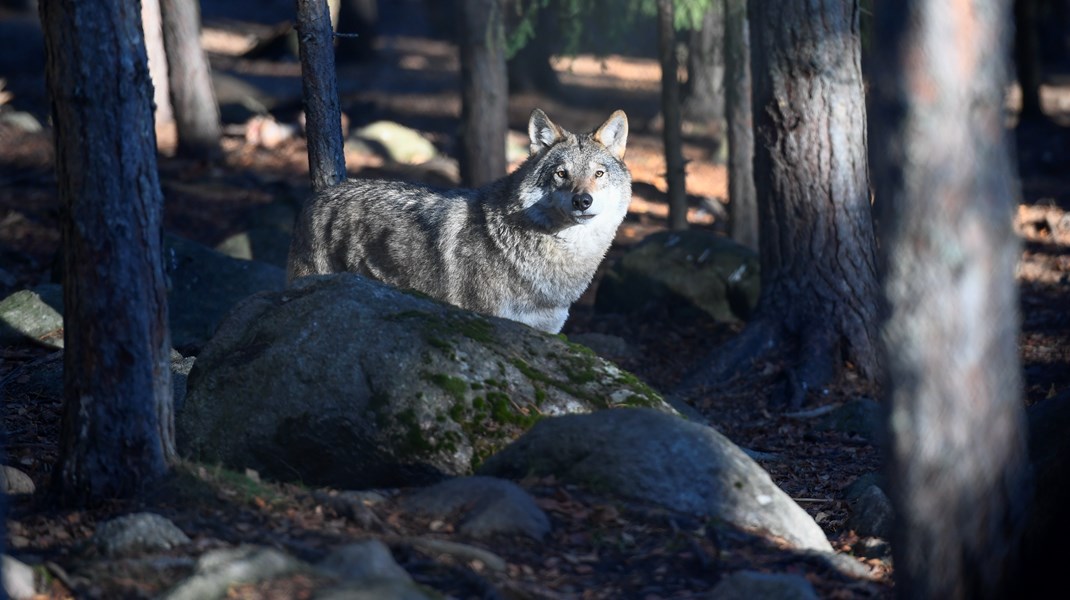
x: 946, y: 191
x: 192, y: 96
x: 704, y: 94
x: 118, y: 430
x: 484, y: 91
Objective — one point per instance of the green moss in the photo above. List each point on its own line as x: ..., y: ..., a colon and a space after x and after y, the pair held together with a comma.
x: 452, y: 385
x: 441, y: 344
x: 406, y: 315
x: 475, y: 328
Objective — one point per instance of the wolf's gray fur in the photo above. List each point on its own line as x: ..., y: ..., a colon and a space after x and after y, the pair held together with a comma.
x: 524, y: 247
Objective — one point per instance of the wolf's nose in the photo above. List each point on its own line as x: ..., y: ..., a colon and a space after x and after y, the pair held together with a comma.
x: 582, y: 201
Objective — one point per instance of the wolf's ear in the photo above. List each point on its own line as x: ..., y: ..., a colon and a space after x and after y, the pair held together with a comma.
x: 542, y: 131
x: 613, y: 134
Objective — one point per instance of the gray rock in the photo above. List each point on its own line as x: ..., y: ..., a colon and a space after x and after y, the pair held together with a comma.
x: 380, y: 590
x: 14, y: 482
x: 205, y: 285
x: 872, y: 547
x: 752, y: 585
x: 366, y: 561
x: 23, y: 121
x: 872, y: 513
x: 36, y: 314
x: 397, y: 142
x: 863, y: 416
x: 344, y: 381
x: 483, y: 506
x: 18, y: 579
x: 137, y: 533
x: 861, y: 484
x: 609, y: 347
x: 689, y: 268
x: 218, y: 570
x: 664, y: 459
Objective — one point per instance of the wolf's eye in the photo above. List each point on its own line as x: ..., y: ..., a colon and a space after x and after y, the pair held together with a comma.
x: 563, y: 174
x: 599, y: 173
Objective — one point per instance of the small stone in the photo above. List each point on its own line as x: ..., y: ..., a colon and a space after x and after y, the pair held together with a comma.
x: 365, y: 561
x: 484, y: 507
x: 872, y: 513
x: 138, y: 533
x: 18, y: 579
x: 14, y: 482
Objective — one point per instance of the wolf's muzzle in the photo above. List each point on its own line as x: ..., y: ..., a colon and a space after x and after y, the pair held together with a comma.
x: 582, y: 201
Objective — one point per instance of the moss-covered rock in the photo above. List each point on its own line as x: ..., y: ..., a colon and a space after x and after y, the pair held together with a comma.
x: 344, y: 381
x: 692, y: 268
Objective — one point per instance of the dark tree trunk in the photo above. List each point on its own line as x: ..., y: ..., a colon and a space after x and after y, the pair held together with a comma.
x: 360, y: 17
x: 819, y: 282
x: 192, y: 97
x: 742, y: 203
x: 670, y: 109
x: 484, y: 91
x: 530, y: 69
x: 1027, y: 57
x: 946, y: 186
x: 118, y: 429
x: 704, y: 94
x: 323, y: 117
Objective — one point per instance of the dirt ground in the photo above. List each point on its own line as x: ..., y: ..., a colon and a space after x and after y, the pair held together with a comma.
x: 600, y: 548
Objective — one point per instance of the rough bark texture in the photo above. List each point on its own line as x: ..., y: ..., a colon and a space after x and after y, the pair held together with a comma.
x: 670, y: 108
x: 192, y: 96
x: 323, y: 117
x: 743, y: 204
x: 117, y: 423
x: 484, y: 91
x: 947, y: 191
x: 704, y: 94
x: 819, y: 283
x: 161, y: 93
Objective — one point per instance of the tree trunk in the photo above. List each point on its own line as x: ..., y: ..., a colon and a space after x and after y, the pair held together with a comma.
x: 819, y: 283
x: 161, y: 92
x: 118, y: 430
x: 484, y: 91
x: 947, y: 188
x: 323, y: 117
x: 742, y: 203
x: 704, y: 94
x: 1027, y: 57
x: 670, y: 108
x: 192, y: 97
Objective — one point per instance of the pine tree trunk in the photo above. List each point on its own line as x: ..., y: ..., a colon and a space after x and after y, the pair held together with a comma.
x: 192, y: 96
x: 704, y: 94
x: 117, y: 423
x: 947, y: 188
x: 819, y: 292
x: 670, y: 109
x: 1027, y: 57
x: 484, y: 91
x: 323, y: 117
x: 152, y: 25
x: 742, y: 203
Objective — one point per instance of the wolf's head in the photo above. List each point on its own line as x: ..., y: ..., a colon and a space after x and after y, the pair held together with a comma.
x: 572, y: 179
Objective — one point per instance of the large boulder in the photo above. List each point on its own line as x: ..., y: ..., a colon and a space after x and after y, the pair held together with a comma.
x: 345, y: 381
x: 694, y: 268
x: 656, y: 457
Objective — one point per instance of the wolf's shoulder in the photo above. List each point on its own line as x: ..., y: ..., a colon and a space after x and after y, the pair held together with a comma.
x: 395, y: 190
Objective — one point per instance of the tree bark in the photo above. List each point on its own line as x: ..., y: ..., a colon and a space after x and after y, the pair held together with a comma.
x: 192, y: 96
x: 946, y: 185
x: 704, y: 94
x: 742, y: 202
x: 484, y: 91
x: 670, y: 109
x: 323, y: 117
x: 819, y: 283
x: 118, y: 431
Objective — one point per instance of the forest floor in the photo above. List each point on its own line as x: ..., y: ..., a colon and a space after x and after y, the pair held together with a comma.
x: 662, y: 555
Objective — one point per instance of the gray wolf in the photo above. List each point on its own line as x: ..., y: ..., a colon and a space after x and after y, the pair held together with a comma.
x: 524, y: 247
